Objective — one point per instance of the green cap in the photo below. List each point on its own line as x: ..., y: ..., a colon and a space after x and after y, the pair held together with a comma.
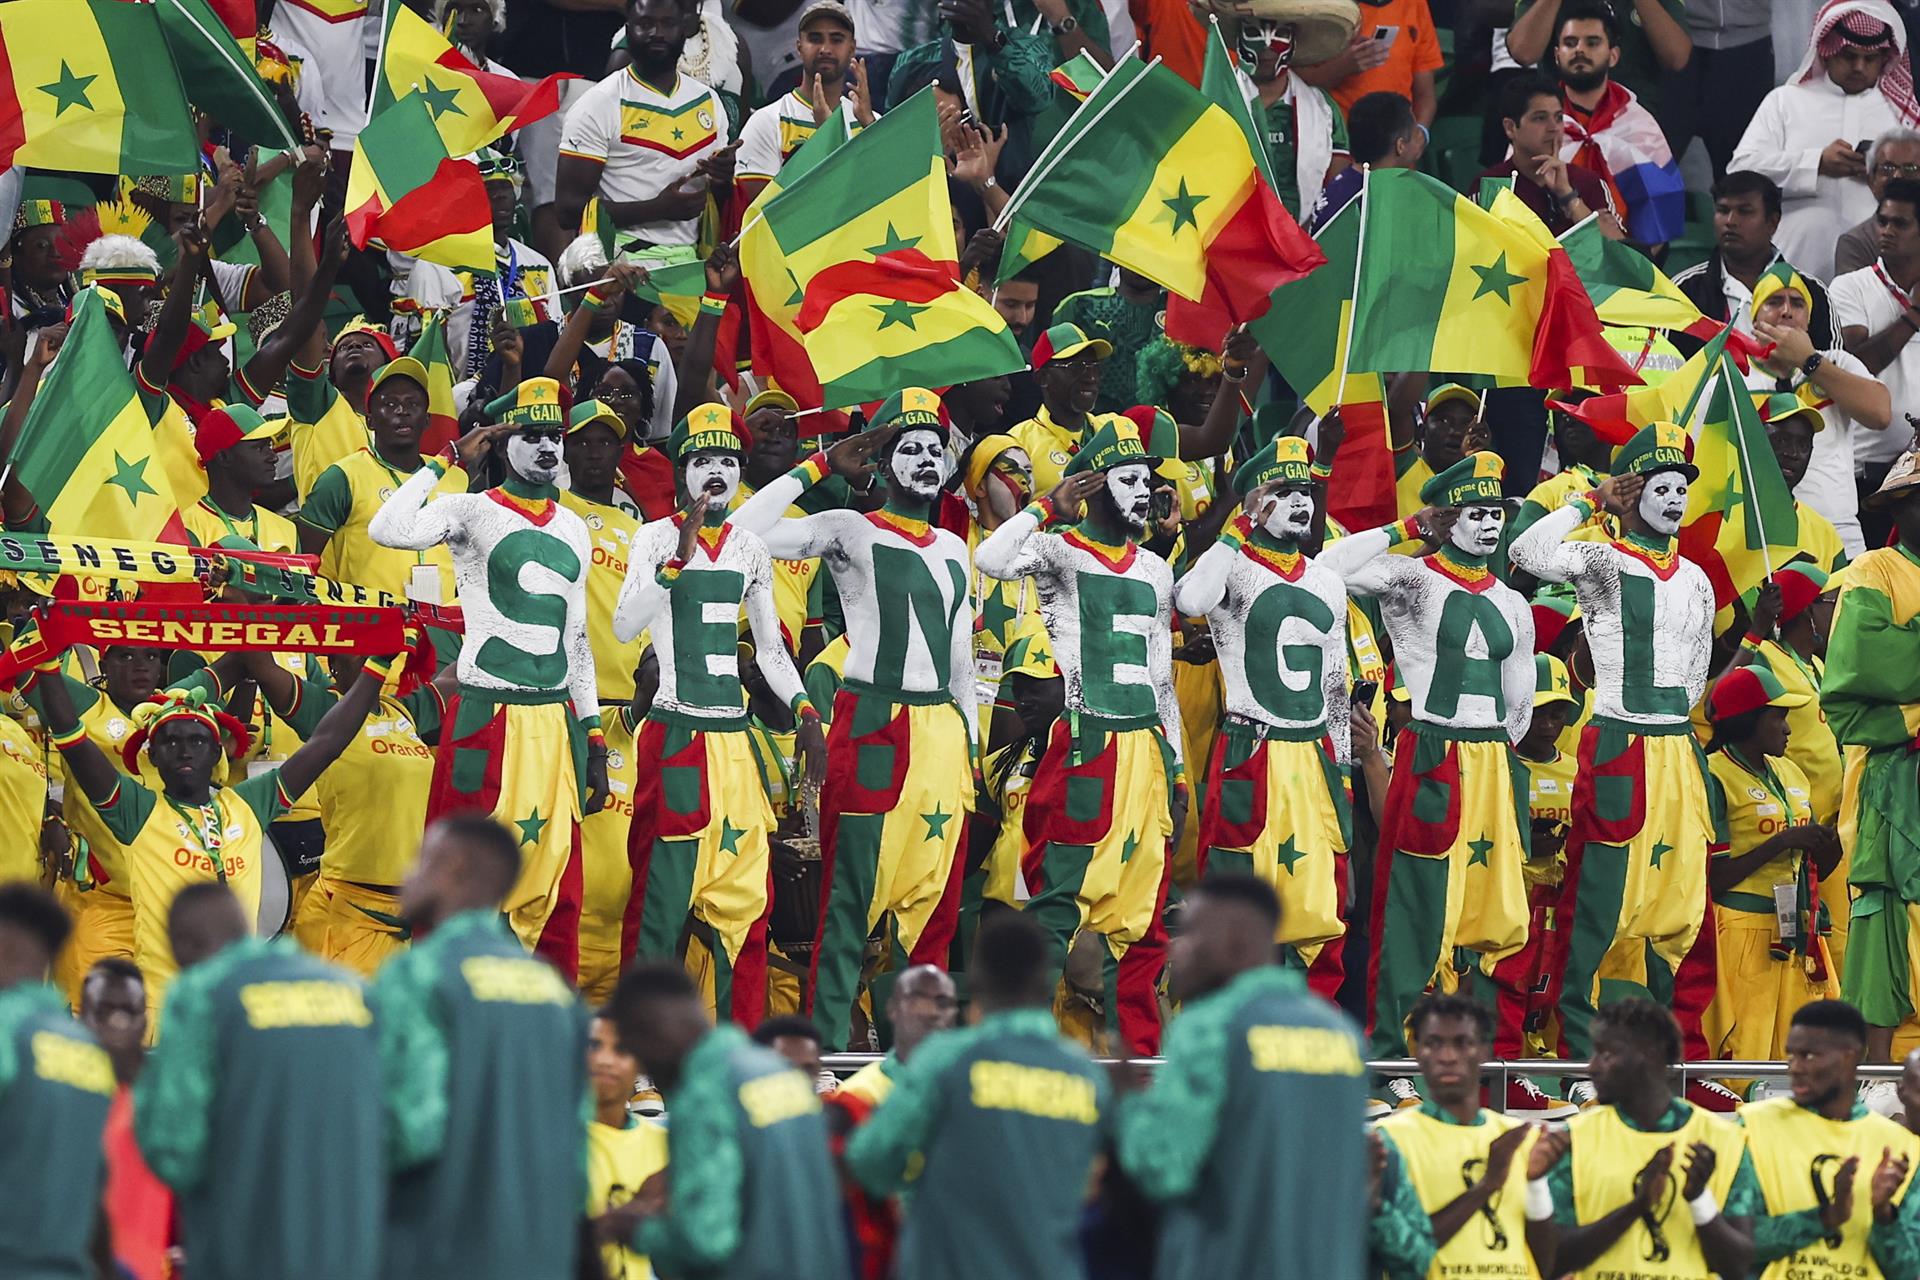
x: 1284, y: 458
x: 909, y: 407
x: 588, y: 412
x: 1063, y: 341
x: 706, y: 427
x: 534, y: 403
x: 1476, y: 478
x: 1782, y: 405
x: 1115, y: 444
x: 1658, y: 446
x: 1550, y: 680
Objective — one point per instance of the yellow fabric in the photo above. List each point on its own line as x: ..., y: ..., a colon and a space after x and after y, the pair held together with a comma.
x: 1486, y: 909
x: 1442, y: 1160
x: 1608, y: 1153
x: 1577, y: 717
x: 1198, y: 689
x: 108, y: 728
x: 1050, y: 446
x: 332, y: 922
x: 1300, y: 845
x: 611, y: 531
x: 102, y: 927
x: 606, y: 875
x: 373, y: 799
x: 340, y: 433
x: 160, y: 863
x: 1790, y: 1145
x: 730, y: 870
x: 352, y: 556
x: 23, y: 802
x: 1755, y: 814
x: 1756, y: 993
x: 1550, y: 799
x: 870, y: 1083
x: 1810, y: 741
x: 538, y: 801
x: 1121, y: 886
x: 1664, y: 904
x: 917, y: 847
x: 1010, y: 842
x: 1413, y: 474
x: 268, y: 530
x: 618, y: 1161
x: 274, y: 740
x: 1819, y: 539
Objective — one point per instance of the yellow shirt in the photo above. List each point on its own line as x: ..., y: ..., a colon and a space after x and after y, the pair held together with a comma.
x: 1607, y: 1154
x: 606, y: 876
x: 1786, y: 1141
x: 343, y: 503
x: 1050, y: 446
x: 618, y: 1161
x: 1819, y: 539
x: 373, y: 799
x: 1810, y: 741
x: 1439, y: 1157
x: 268, y: 530
x: 322, y: 424
x: 1411, y: 474
x: 1759, y: 806
x: 108, y: 728
x: 23, y: 802
x: 611, y: 531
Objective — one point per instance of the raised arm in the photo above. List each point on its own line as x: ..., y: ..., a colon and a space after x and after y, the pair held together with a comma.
x: 91, y: 768
x: 851, y: 458
x: 649, y: 580
x: 1544, y: 552
x: 1517, y: 674
x: 1366, y: 550
x: 409, y: 520
x: 1011, y: 552
x: 1204, y: 585
x: 336, y: 729
x: 606, y: 294
x: 176, y: 312
x: 269, y: 363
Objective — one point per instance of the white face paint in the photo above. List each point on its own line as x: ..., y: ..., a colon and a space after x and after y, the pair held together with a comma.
x: 918, y: 464
x: 1477, y: 531
x: 535, y: 458
x: 1289, y: 514
x: 714, y: 473
x: 1131, y: 488
x: 1663, y: 503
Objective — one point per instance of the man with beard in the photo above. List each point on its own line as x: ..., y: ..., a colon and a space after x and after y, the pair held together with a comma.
x: 702, y: 819
x: 647, y: 140
x: 1644, y: 1183
x: 1448, y: 872
x: 1274, y: 803
x: 1608, y: 132
x: 1641, y: 826
x: 894, y: 806
x: 829, y: 71
x: 1110, y: 796
x: 522, y: 738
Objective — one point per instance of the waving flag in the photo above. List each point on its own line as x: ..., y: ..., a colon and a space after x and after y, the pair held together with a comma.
x: 468, y: 107
x: 407, y: 192
x: 774, y: 292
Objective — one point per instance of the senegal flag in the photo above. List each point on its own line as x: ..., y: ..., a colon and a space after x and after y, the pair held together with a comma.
x: 86, y: 449
x: 774, y: 293
x: 1741, y: 517
x: 1154, y: 176
x: 1626, y: 288
x: 1444, y: 284
x: 430, y: 349
x: 219, y: 75
x: 87, y: 86
x: 467, y: 106
x: 408, y: 193
x: 676, y: 278
x: 867, y: 236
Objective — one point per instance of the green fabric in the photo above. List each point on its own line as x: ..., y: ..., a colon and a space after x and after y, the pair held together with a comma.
x: 837, y: 958
x: 1876, y: 976
x: 1873, y: 663
x: 1129, y: 326
x: 1408, y: 944
x: 260, y: 1107
x: 309, y: 396
x: 135, y: 802
x: 483, y: 1050
x: 329, y: 502
x: 1895, y: 1245
x: 1283, y: 146
x: 749, y: 1200
x: 667, y: 896
x: 1400, y: 1233
x: 1675, y: 1117
x: 51, y: 1162
x: 1000, y: 1178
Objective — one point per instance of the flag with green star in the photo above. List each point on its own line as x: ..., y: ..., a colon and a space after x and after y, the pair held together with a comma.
x: 865, y: 238
x: 219, y: 75
x: 89, y: 87
x: 86, y: 450
x: 1444, y: 284
x: 406, y: 191
x: 468, y: 107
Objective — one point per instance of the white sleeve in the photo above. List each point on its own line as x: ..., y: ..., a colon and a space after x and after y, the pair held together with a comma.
x: 666, y: 390
x: 590, y: 127
x: 759, y: 154
x: 1848, y: 296
x: 232, y: 279
x: 769, y: 648
x: 410, y: 520
x: 641, y: 595
x: 1010, y: 552
x: 1204, y: 585
x: 1517, y: 675
x: 1356, y: 551
x: 1763, y: 148
x: 1544, y: 552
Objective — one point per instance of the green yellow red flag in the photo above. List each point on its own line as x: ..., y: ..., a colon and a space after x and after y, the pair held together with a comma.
x: 468, y: 107
x: 774, y: 293
x: 406, y: 191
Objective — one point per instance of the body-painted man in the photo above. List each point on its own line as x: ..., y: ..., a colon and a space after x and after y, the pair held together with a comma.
x: 702, y: 818
x: 1638, y: 844
x: 1275, y: 804
x: 1110, y: 792
x: 523, y: 738
x: 1454, y: 833
x: 897, y: 795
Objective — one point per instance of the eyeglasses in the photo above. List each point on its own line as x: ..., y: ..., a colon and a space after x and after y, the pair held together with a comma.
x: 1889, y: 170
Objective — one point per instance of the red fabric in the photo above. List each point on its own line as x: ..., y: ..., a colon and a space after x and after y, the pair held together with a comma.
x: 1401, y: 830
x: 1521, y: 980
x: 138, y: 1206
x: 906, y: 274
x: 647, y: 476
x: 1138, y: 985
x: 1693, y: 987
x: 1256, y: 251
x: 237, y: 16
x: 652, y: 821
x: 1044, y: 820
x: 1328, y: 972
x: 1583, y: 126
x: 875, y: 1221
x: 453, y: 201
x: 1215, y: 831
x: 1366, y: 496
x: 1569, y: 336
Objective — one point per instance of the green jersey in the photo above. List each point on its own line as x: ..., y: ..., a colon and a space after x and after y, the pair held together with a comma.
x: 1258, y: 1058
x: 55, y: 1087
x: 755, y: 1195
x: 1009, y: 1116
x: 260, y: 1107
x: 484, y: 1056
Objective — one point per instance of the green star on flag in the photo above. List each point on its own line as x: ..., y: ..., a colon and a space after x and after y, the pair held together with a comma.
x: 1495, y: 278
x: 730, y: 836
x: 440, y: 100
x: 531, y: 826
x: 1660, y: 850
x: 894, y: 242
x: 897, y: 311
x: 936, y: 822
x: 995, y: 614
x: 1288, y: 854
x: 1181, y: 205
x: 1481, y: 848
x: 131, y: 477
x: 69, y: 90
x: 1128, y: 849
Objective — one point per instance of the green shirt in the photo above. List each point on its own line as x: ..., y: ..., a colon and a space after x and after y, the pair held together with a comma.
x: 1283, y: 146
x: 1258, y: 1057
x: 1400, y: 1234
x: 55, y: 1087
x: 755, y: 1193
x: 1008, y: 1116
x: 260, y: 1107
x: 1895, y: 1245
x: 1129, y: 326
x: 483, y: 1054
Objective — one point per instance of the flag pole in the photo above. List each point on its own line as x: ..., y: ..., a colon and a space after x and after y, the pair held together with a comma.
x: 1359, y: 254
x: 380, y: 60
x: 1068, y: 136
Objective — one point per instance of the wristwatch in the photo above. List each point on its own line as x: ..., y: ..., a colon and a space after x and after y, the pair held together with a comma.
x: 1812, y: 364
x: 1066, y: 24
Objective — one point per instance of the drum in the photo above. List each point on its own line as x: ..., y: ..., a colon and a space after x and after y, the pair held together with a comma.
x: 276, y: 892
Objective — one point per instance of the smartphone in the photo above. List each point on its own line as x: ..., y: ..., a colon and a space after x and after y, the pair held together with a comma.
x: 1162, y: 503
x: 1364, y: 692
x: 1386, y: 35
x: 1862, y: 147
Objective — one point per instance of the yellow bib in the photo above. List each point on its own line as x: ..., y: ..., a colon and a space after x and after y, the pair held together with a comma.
x: 611, y: 531
x: 618, y: 1161
x: 606, y: 875
x: 1444, y: 1160
x: 1608, y: 1153
x: 1794, y: 1149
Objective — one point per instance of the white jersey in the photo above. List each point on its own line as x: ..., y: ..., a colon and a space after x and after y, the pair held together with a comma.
x: 328, y: 37
x: 647, y: 140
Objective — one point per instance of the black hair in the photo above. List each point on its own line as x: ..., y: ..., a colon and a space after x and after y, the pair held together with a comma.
x: 1588, y: 11
x: 1745, y: 182
x: 1518, y: 94
x: 114, y: 967
x: 1904, y: 191
x: 787, y: 1024
x: 1248, y: 890
x: 1651, y: 1024
x: 34, y: 911
x: 202, y: 895
x: 642, y: 380
x: 1012, y: 958
x: 1375, y: 123
x: 1836, y: 1016
x: 490, y: 842
x: 1445, y: 1006
x: 646, y: 984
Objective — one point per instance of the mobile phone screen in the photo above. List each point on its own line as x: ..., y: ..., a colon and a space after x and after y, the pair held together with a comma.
x: 1386, y: 35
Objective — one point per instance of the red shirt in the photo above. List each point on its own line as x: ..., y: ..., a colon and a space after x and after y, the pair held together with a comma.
x: 138, y: 1205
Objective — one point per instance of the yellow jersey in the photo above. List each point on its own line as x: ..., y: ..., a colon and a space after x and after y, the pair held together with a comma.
x: 1050, y: 446
x: 344, y: 501
x: 606, y: 877
x: 1810, y: 740
x: 23, y: 802
x: 1760, y: 805
x: 611, y: 531
x: 268, y: 530
x: 1410, y: 475
x: 1607, y: 1153
x: 1443, y: 1158
x: 618, y: 1161
x: 108, y: 728
x: 1795, y: 1152
x: 322, y: 424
